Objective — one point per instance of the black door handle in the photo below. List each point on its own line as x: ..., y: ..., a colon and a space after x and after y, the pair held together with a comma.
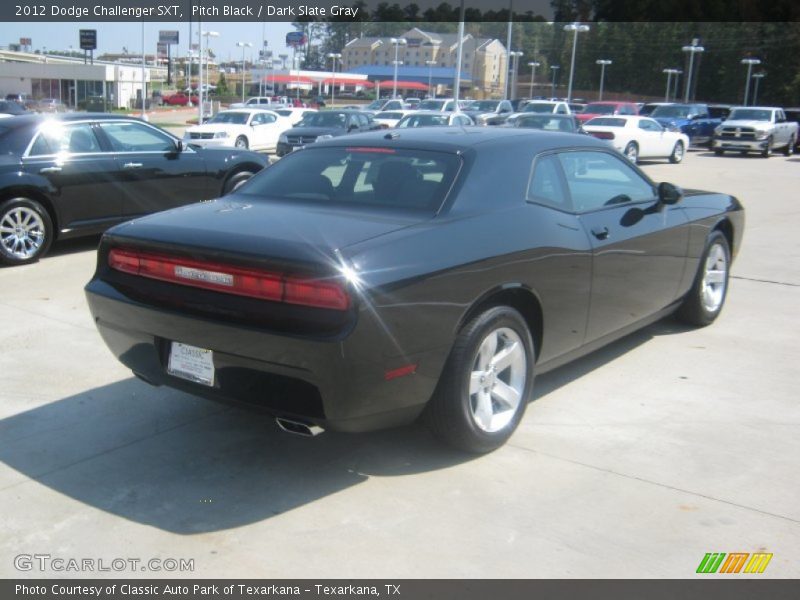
x: 600, y: 233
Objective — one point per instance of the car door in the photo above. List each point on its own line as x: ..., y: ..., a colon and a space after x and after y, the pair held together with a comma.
x: 651, y: 139
x: 85, y: 176
x: 265, y: 131
x: 153, y: 174
x: 638, y: 245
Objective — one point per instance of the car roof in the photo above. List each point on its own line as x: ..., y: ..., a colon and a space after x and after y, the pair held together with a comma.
x: 33, y: 119
x: 461, y: 139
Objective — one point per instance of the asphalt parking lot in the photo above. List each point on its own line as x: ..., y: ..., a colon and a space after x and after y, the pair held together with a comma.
x: 632, y: 462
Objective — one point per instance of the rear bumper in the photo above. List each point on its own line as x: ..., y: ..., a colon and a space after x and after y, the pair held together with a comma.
x: 337, y: 384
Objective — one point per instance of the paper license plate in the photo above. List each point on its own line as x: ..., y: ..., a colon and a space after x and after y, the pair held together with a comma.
x: 192, y: 363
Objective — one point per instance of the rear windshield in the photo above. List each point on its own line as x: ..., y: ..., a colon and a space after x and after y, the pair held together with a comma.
x: 675, y: 111
x: 423, y: 121
x: 606, y: 122
x: 539, y: 107
x: 546, y: 122
x: 336, y: 120
x: 363, y: 176
x: 431, y: 105
x: 600, y: 109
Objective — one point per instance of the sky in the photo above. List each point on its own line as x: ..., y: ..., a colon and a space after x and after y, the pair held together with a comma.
x: 112, y: 37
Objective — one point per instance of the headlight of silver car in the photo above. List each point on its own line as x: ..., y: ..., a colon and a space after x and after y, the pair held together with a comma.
x: 221, y: 134
x: 761, y: 133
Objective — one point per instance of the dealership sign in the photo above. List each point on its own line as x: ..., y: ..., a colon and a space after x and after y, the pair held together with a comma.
x: 88, y: 39
x: 168, y: 37
x: 295, y: 39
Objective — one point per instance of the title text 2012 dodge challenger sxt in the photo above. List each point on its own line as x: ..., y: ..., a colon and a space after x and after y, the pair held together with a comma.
x: 362, y: 282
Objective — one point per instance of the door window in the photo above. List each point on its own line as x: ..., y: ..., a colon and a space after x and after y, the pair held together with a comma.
x: 262, y: 119
x: 648, y: 125
x: 598, y: 179
x: 135, y: 137
x: 546, y: 185
x: 56, y: 138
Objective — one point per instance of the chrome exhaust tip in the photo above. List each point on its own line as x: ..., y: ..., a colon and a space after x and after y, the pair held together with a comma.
x: 298, y: 427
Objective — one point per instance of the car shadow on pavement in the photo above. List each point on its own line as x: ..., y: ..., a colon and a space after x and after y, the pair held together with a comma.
x: 186, y: 465
x: 73, y: 246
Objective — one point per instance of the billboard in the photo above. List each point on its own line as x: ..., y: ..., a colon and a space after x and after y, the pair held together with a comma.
x: 168, y: 37
x: 295, y: 39
x: 25, y: 42
x: 88, y: 39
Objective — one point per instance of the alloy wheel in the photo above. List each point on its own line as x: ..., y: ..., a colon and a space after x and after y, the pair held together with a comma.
x: 22, y: 232
x: 715, y: 278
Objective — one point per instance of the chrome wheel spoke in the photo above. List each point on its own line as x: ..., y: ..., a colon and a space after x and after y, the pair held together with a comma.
x: 488, y: 348
x: 483, y: 410
x: 503, y: 359
x: 715, y: 276
x: 475, y: 382
x: 506, y: 395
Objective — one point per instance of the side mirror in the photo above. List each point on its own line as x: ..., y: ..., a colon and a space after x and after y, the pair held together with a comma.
x: 178, y: 146
x: 352, y: 127
x: 669, y: 194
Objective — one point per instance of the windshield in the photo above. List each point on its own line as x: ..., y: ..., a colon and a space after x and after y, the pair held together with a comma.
x: 600, y: 109
x: 230, y: 118
x: 546, y: 122
x: 431, y: 105
x: 336, y: 120
x: 487, y: 105
x: 423, y: 121
x: 674, y: 112
x: 376, y: 105
x: 388, y: 115
x: 750, y: 114
x: 539, y: 107
x: 606, y: 122
x: 377, y: 178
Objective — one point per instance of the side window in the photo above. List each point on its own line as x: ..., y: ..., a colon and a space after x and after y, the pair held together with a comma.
x: 626, y: 110
x: 561, y: 110
x: 55, y: 138
x: 649, y: 125
x: 363, y: 121
x: 598, y: 179
x: 135, y: 137
x: 545, y: 185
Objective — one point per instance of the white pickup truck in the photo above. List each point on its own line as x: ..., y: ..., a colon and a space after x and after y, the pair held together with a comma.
x: 260, y: 102
x: 759, y: 129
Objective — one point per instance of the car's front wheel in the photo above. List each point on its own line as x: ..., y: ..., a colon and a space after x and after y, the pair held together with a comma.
x: 705, y: 300
x: 789, y: 150
x: 767, y: 149
x: 236, y: 181
x: 677, y: 153
x: 26, y: 231
x: 241, y: 143
x: 486, y: 383
x: 631, y: 152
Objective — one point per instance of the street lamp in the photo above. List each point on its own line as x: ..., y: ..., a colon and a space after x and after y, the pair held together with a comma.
x: 533, y: 64
x: 397, y: 43
x: 603, y: 64
x: 430, y: 64
x: 749, y: 62
x: 283, y: 58
x: 206, y: 35
x: 693, y: 49
x: 554, y: 70
x: 670, y: 73
x: 243, y: 45
x: 514, y: 67
x: 576, y: 28
x: 334, y: 56
x: 758, y: 77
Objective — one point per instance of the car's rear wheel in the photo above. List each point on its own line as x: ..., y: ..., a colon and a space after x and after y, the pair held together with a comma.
x: 789, y: 150
x: 235, y: 181
x: 241, y: 143
x: 705, y: 300
x: 631, y: 152
x: 719, y: 152
x: 26, y: 231
x: 486, y: 383
x: 677, y: 153
x: 767, y: 149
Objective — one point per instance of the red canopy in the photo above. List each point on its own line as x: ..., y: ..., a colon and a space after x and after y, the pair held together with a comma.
x: 347, y: 81
x: 288, y: 79
x: 406, y: 85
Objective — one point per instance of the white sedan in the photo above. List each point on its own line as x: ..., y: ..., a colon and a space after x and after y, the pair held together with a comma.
x: 244, y: 128
x: 293, y: 114
x: 639, y: 137
x: 390, y: 118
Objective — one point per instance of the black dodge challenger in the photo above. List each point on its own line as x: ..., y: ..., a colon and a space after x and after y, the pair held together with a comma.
x: 77, y: 174
x: 365, y: 281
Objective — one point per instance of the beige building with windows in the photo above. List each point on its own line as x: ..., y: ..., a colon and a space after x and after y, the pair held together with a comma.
x: 484, y: 59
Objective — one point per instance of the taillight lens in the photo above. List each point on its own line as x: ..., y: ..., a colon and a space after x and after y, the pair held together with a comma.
x: 603, y: 135
x: 230, y: 279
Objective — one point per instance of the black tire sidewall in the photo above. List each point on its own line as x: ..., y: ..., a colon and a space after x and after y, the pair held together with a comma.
x: 456, y: 423
x: 635, y: 146
x: 235, y: 179
x: 693, y: 310
x: 246, y: 145
x: 673, y: 158
x: 12, y: 203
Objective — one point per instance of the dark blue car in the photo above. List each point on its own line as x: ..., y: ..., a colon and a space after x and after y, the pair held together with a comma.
x: 692, y: 119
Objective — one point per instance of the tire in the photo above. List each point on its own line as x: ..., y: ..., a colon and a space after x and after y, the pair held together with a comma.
x: 483, y: 420
x: 241, y: 143
x: 705, y: 299
x: 789, y: 150
x: 719, y: 152
x: 26, y: 231
x: 677, y: 153
x: 631, y: 152
x: 235, y: 181
x: 768, y: 149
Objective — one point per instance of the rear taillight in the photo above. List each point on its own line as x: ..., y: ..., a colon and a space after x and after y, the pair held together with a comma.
x: 603, y: 135
x: 230, y: 279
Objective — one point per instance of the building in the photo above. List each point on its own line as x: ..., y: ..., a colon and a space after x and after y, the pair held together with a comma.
x: 71, y: 81
x: 483, y: 59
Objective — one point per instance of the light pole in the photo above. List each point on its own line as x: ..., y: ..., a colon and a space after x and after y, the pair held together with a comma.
x: 603, y: 64
x: 508, y: 46
x: 533, y: 64
x: 243, y: 45
x: 430, y: 64
x: 515, y: 66
x: 201, y: 92
x: 144, y: 79
x: 576, y: 28
x: 283, y: 58
x: 554, y: 69
x: 749, y: 62
x: 670, y: 73
x: 397, y: 42
x: 334, y: 56
x: 693, y: 49
x: 758, y: 77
